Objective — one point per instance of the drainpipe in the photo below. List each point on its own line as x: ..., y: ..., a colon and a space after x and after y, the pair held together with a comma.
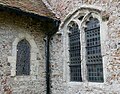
x: 47, y: 54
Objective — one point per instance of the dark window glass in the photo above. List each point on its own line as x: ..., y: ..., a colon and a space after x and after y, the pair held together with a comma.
x: 23, y: 58
x: 93, y: 50
x: 75, y: 61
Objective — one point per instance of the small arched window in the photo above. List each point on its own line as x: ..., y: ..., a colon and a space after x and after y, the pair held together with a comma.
x: 93, y: 51
x: 23, y: 58
x: 74, y: 53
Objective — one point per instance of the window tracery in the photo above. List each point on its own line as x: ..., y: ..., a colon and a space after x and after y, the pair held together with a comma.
x: 91, y: 60
x: 74, y: 51
x: 93, y: 51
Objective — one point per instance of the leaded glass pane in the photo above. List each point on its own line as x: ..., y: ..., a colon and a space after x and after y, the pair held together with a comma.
x: 75, y: 61
x: 23, y: 58
x: 93, y: 50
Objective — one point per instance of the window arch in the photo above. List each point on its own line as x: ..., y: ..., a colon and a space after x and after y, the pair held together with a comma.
x: 74, y: 52
x: 92, y: 61
x: 23, y: 58
x: 93, y: 51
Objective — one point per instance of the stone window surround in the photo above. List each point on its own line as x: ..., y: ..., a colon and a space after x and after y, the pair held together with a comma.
x: 86, y: 12
x: 33, y: 59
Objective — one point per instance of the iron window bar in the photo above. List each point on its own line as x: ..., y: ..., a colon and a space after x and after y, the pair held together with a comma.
x: 93, y: 51
x: 74, y: 53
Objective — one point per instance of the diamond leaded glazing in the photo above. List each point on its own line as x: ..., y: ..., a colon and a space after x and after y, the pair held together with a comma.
x: 75, y: 61
x: 93, y: 51
x: 23, y: 58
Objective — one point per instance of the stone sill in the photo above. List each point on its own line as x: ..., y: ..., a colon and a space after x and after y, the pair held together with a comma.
x: 93, y: 84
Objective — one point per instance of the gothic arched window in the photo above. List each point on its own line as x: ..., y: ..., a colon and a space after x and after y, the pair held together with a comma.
x: 74, y: 53
x: 23, y: 58
x: 93, y: 51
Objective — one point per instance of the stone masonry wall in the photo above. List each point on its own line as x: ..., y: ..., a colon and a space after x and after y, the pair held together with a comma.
x: 111, y: 85
x: 11, y: 26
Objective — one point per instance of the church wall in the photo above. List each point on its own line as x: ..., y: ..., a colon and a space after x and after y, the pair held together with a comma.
x: 13, y: 28
x: 111, y: 85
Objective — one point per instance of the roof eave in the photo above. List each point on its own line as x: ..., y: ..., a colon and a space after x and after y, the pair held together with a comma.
x: 50, y: 23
